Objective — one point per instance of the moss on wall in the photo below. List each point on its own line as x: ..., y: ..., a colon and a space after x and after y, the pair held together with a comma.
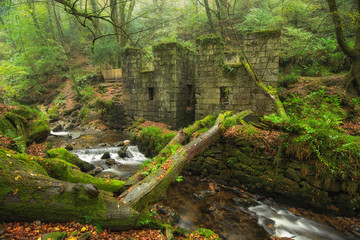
x: 210, y: 40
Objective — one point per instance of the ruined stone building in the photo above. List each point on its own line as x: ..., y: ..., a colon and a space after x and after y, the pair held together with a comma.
x: 185, y: 86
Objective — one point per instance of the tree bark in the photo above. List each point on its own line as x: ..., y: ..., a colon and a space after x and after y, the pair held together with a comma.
x: 270, y: 93
x: 96, y: 21
x: 353, y: 53
x: 50, y: 23
x: 58, y: 25
x: 114, y: 18
x: 27, y: 193
x: 208, y: 14
x: 154, y: 186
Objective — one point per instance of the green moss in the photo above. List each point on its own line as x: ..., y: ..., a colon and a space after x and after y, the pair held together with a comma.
x: 230, y: 70
x: 151, y: 140
x: 207, y: 122
x: 24, y: 125
x: 55, y: 236
x: 62, y: 170
x: 69, y: 157
x: 38, y: 130
x: 131, y: 51
x: 27, y: 112
x: 271, y: 33
x: 27, y: 193
x: 207, y: 233
x: 210, y: 40
x: 167, y: 46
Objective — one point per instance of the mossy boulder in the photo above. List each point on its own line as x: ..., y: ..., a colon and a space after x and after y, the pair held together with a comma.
x: 28, y: 193
x: 62, y: 170
x: 38, y: 131
x: 24, y: 126
x: 69, y: 157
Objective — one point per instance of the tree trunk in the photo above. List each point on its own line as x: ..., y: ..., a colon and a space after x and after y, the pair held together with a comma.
x: 154, y: 186
x: 208, y: 13
x: 114, y: 18
x: 96, y: 21
x: 58, y: 25
x: 352, y: 52
x: 269, y: 92
x: 50, y: 22
x: 122, y: 23
x: 32, y: 12
x: 27, y: 193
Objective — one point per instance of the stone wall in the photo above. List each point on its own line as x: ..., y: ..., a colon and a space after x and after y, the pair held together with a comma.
x: 185, y: 86
x: 164, y: 94
x: 222, y: 83
x: 232, y: 162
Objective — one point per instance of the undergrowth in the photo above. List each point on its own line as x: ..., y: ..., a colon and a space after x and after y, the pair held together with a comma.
x: 313, y: 132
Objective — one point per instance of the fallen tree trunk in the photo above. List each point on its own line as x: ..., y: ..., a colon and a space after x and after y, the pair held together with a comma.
x: 28, y: 193
x: 153, y: 187
x: 181, y: 138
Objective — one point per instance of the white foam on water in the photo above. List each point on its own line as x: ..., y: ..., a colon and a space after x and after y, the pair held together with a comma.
x: 282, y: 223
x: 94, y: 155
x: 123, y: 168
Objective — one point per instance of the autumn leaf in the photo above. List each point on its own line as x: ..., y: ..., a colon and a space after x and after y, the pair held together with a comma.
x: 15, y: 191
x: 17, y: 177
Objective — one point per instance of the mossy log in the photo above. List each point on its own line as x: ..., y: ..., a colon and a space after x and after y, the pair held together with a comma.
x: 153, y: 187
x: 28, y: 193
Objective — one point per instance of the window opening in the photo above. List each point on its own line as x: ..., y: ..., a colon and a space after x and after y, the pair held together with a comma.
x: 189, y: 96
x: 224, y: 94
x: 151, y: 93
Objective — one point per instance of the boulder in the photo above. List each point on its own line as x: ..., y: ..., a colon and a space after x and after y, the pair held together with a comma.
x: 122, y: 153
x: 110, y: 162
x: 106, y: 155
x: 69, y: 157
x: 119, y: 144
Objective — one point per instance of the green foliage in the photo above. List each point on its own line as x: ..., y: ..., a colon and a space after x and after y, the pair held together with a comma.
x: 210, y: 40
x: 315, y: 133
x: 259, y: 19
x: 86, y: 94
x: 145, y: 219
x: 106, y: 52
x: 179, y: 179
x: 84, y: 113
x: 207, y: 233
x: 104, y: 107
x: 154, y: 139
x: 289, y: 79
x: 207, y: 122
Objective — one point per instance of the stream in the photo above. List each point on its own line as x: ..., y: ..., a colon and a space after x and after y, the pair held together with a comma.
x: 232, y: 213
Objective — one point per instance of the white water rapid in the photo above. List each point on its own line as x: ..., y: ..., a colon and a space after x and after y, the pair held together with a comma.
x: 280, y: 222
x: 123, y: 168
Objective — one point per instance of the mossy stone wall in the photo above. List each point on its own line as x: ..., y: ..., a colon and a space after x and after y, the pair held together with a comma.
x: 185, y: 86
x: 232, y: 162
x: 163, y: 93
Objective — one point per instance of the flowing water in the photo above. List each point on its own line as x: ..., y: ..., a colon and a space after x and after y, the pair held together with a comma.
x: 124, y: 167
x: 280, y: 222
x: 86, y: 144
x: 233, y: 214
